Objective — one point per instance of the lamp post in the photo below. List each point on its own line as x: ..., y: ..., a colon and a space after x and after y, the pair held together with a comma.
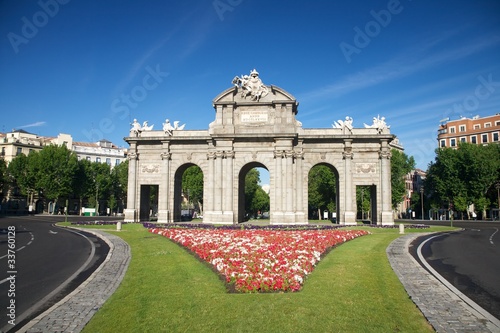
x: 422, y: 200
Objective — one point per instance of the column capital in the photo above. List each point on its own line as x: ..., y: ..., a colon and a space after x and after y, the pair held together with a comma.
x: 211, y: 155
x: 229, y: 154
x: 132, y: 156
x: 385, y: 154
x: 165, y: 155
x: 279, y: 154
x: 347, y: 153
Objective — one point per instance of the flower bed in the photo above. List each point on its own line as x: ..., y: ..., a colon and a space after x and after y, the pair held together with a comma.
x: 260, y: 260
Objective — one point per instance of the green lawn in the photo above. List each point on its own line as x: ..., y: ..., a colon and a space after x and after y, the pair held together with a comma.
x: 353, y: 289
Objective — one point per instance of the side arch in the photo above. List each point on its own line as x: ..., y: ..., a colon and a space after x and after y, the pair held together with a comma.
x: 241, y: 187
x: 336, y: 176
x: 177, y: 189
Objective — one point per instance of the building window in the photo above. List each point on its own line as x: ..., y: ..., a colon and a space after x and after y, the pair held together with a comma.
x: 88, y: 158
x: 497, y: 123
x: 484, y: 138
x: 443, y: 143
x: 108, y: 161
x: 117, y: 161
x: 19, y: 151
x: 495, y: 137
x: 487, y: 125
x: 473, y: 139
x: 452, y: 129
x: 453, y: 142
x: 461, y: 128
x: 477, y: 126
x: 98, y: 159
x: 463, y: 139
x: 3, y: 151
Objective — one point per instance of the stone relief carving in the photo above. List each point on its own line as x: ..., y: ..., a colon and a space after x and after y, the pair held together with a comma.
x: 251, y: 85
x: 379, y: 124
x: 154, y: 168
x: 366, y: 168
x: 168, y: 128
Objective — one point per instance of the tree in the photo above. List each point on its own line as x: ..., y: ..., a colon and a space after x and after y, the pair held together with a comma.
x: 252, y: 180
x: 22, y: 173
x: 322, y: 189
x: 56, y: 171
x: 192, y: 182
x: 3, y: 175
x: 260, y: 201
x: 119, y: 176
x: 401, y: 165
x: 464, y: 176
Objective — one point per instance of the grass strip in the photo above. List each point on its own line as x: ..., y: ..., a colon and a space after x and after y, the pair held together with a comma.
x: 166, y: 289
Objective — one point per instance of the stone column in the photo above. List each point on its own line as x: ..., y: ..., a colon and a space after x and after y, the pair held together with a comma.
x: 300, y: 212
x: 209, y: 188
x: 349, y: 213
x: 131, y: 210
x: 164, y: 189
x: 288, y: 184
x: 218, y: 182
x: 228, y: 198
x: 385, y: 184
x: 277, y: 210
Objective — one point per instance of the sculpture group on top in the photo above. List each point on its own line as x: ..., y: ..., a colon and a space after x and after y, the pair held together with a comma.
x: 378, y: 123
x: 168, y: 128
x: 251, y: 85
x: 344, y: 124
x: 137, y: 128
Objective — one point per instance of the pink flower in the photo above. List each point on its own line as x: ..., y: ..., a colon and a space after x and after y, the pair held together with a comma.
x: 260, y: 260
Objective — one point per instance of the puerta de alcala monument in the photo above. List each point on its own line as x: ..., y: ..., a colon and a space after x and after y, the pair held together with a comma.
x: 255, y: 126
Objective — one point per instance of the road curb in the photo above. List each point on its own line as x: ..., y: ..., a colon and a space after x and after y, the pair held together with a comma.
x: 74, y: 311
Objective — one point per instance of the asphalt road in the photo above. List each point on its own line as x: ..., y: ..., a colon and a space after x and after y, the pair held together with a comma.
x: 469, y: 259
x: 40, y: 264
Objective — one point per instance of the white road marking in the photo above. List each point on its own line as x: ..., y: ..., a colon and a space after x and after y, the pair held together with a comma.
x: 491, y: 237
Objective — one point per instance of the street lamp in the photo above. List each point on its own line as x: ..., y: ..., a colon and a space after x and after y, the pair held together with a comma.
x: 422, y: 200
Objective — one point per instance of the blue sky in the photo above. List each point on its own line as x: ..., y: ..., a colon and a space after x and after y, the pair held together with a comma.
x: 88, y: 68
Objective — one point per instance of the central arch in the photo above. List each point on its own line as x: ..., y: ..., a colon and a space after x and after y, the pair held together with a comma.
x: 241, y: 188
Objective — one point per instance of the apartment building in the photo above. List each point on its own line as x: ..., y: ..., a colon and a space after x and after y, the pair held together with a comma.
x: 475, y: 130
x: 21, y: 142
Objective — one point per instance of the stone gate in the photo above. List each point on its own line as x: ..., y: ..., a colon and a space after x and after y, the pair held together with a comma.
x: 255, y: 126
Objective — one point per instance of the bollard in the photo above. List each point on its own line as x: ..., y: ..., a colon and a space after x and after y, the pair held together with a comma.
x: 401, y: 228
x: 118, y: 226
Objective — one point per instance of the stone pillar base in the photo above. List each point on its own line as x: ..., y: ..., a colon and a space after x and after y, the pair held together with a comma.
x: 387, y: 218
x: 163, y: 216
x: 217, y: 217
x: 130, y: 215
x: 349, y: 218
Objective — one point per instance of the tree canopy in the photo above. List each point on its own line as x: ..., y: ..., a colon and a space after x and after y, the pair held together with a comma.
x: 464, y: 176
x: 401, y: 165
